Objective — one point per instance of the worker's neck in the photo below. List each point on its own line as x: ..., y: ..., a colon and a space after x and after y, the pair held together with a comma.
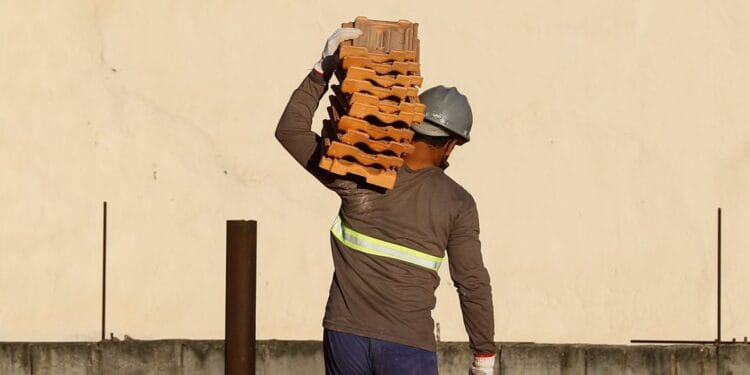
x: 416, y: 164
x: 420, y: 159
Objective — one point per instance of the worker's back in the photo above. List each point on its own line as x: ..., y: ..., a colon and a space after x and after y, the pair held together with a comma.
x: 384, y: 292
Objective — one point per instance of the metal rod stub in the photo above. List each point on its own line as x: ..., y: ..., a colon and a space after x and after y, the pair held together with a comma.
x: 681, y: 342
x: 718, y: 278
x: 671, y: 342
x: 716, y: 341
x: 104, y: 267
x: 239, y: 344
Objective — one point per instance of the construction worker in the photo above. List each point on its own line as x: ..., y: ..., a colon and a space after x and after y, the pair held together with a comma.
x: 387, y: 245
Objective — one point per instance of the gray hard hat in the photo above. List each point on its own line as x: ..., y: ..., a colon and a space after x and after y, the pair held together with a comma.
x: 447, y: 113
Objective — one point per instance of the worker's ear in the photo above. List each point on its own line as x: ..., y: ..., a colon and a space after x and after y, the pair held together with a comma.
x: 449, y: 146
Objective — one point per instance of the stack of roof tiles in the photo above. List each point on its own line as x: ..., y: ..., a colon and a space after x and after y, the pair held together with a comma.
x: 375, y: 104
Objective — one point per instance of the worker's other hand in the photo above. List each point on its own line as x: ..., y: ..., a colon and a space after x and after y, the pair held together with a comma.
x: 482, y: 365
x: 329, y: 59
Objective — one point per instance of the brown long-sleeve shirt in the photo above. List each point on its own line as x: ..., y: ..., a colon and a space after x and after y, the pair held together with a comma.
x: 386, y: 298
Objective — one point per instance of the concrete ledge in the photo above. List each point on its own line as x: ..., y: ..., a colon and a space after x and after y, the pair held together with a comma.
x: 698, y: 359
x: 289, y: 357
x: 65, y: 358
x: 734, y: 359
x: 649, y: 360
x: 605, y: 360
x: 202, y: 357
x: 142, y: 357
x: 593, y: 359
x: 15, y: 359
x: 306, y: 357
x: 455, y: 358
x: 542, y: 359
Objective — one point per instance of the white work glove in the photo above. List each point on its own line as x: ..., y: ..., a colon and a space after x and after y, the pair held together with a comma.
x: 482, y: 366
x: 329, y: 59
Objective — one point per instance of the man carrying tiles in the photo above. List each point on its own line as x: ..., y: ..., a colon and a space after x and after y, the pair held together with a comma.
x: 387, y: 244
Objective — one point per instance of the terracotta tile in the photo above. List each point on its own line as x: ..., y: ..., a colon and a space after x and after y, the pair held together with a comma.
x: 348, y: 123
x: 340, y: 150
x: 378, y: 57
x: 361, y: 110
x: 350, y: 86
x: 403, y: 67
x: 412, y: 107
x: 375, y: 176
x: 387, y: 106
x: 356, y: 137
x: 385, y: 36
x: 383, y: 80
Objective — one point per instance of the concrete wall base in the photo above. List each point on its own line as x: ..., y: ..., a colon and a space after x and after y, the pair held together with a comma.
x: 183, y: 357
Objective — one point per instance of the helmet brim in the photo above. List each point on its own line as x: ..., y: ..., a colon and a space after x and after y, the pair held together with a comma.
x: 430, y: 129
x: 425, y: 128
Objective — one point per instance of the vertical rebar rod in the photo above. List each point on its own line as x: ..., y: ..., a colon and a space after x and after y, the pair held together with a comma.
x: 104, y: 267
x: 718, y: 274
x: 239, y: 344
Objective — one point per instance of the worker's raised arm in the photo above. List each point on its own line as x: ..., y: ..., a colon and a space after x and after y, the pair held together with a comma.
x: 472, y: 282
x: 294, y: 130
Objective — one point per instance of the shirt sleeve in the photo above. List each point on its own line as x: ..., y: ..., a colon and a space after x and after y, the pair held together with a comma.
x: 471, y: 279
x: 294, y: 130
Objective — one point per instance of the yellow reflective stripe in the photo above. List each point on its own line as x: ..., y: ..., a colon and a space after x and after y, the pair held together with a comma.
x: 373, y: 246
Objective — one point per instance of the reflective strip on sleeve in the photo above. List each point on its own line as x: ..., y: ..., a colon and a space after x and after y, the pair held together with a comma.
x: 373, y: 246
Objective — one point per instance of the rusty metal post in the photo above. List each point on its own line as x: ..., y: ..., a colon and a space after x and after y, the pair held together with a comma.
x: 239, y: 330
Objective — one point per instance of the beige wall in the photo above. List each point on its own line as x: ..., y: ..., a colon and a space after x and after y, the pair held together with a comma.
x: 606, y: 134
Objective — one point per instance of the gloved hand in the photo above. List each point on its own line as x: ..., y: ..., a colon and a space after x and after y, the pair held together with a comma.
x: 482, y: 365
x: 329, y: 59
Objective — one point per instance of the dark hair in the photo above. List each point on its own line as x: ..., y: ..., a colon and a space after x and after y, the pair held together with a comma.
x: 432, y: 141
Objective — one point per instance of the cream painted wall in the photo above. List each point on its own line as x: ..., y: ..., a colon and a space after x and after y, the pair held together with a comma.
x: 606, y: 134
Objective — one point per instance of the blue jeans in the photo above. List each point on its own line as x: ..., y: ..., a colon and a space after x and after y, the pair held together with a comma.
x: 347, y: 354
